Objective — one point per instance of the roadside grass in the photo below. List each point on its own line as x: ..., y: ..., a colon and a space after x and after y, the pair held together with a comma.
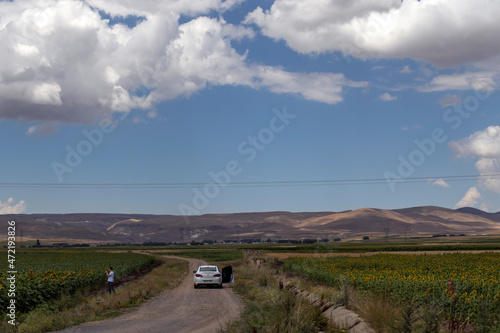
x: 90, y: 306
x: 382, y: 313
x: 208, y: 255
x: 385, y: 315
x: 271, y: 309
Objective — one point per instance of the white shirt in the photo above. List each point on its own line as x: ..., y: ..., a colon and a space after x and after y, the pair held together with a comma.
x: 111, y: 277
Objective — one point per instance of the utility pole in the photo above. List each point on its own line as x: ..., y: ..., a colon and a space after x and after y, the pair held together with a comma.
x: 386, y: 231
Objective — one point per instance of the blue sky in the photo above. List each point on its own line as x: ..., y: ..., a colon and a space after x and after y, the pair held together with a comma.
x: 290, y: 104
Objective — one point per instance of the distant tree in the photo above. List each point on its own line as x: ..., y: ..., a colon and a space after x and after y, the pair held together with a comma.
x: 337, y: 240
x: 366, y: 238
x: 37, y: 243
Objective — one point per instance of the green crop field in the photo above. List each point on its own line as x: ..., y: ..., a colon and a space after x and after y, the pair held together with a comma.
x: 43, y: 275
x: 422, y: 279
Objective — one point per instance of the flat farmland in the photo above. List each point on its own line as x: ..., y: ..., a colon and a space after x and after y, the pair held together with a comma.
x: 44, y: 275
x: 286, y: 255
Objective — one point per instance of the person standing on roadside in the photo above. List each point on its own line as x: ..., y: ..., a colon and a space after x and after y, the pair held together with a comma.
x: 111, y: 279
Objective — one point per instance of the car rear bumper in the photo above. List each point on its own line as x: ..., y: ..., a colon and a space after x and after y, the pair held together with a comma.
x: 207, y: 281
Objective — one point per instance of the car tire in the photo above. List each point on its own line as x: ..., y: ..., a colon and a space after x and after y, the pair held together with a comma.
x: 195, y: 286
x: 220, y: 286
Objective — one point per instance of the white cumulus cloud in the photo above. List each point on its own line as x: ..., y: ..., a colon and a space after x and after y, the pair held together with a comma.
x: 63, y: 62
x: 386, y: 97
x: 454, y: 32
x: 485, y: 146
x: 441, y: 183
x: 481, y: 81
x: 470, y: 199
x: 148, y: 7
x: 10, y: 207
x: 320, y: 87
x: 482, y: 144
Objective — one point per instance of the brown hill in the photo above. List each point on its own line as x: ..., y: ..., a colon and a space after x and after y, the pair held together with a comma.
x: 138, y: 228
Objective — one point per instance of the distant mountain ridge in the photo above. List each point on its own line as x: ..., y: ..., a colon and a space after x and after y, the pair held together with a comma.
x: 138, y: 228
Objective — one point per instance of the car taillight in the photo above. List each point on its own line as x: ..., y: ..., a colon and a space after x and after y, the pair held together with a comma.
x: 199, y: 275
x: 216, y: 275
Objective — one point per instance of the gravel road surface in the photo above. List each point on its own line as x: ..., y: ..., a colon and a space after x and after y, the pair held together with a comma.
x: 183, y: 310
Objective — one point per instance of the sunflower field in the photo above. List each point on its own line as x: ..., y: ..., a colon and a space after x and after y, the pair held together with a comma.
x: 466, y: 286
x: 45, y: 275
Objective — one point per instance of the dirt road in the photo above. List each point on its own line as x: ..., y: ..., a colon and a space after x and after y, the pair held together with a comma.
x: 181, y: 310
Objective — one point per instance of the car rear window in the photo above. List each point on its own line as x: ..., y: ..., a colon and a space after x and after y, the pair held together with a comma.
x: 208, y: 269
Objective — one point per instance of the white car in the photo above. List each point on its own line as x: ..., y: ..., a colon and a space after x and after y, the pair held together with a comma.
x: 209, y: 275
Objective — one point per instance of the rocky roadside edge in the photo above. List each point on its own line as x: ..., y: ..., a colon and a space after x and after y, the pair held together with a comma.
x: 339, y: 315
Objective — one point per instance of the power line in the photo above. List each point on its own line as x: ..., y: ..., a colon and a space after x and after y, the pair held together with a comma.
x: 331, y: 182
